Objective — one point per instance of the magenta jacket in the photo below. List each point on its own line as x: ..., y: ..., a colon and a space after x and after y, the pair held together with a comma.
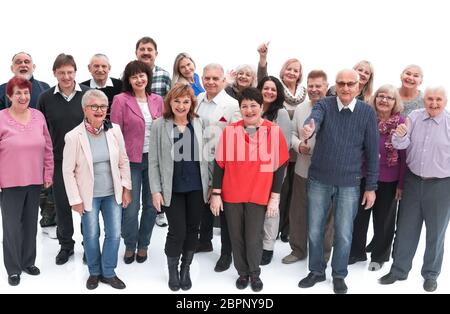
x: 125, y: 112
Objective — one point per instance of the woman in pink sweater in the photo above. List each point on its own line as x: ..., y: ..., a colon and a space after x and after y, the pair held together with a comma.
x: 26, y: 162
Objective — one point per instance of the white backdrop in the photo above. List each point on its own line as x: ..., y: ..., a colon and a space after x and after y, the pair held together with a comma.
x: 325, y: 34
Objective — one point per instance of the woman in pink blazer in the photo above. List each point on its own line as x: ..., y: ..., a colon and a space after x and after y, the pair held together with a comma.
x: 97, y: 178
x: 134, y: 110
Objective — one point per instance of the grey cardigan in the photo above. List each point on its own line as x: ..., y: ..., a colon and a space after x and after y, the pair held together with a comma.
x: 160, y: 157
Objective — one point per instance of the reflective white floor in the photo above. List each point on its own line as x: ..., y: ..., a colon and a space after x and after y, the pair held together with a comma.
x: 151, y: 276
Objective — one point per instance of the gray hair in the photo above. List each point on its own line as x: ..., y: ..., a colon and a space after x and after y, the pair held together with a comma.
x: 245, y: 67
x: 212, y: 66
x: 93, y: 93
x: 388, y: 88
x: 100, y: 55
x: 436, y: 89
x: 348, y: 71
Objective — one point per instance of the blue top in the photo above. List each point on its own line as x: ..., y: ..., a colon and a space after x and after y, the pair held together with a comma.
x: 37, y: 88
x: 197, y: 86
x: 186, y: 165
x: 343, y: 139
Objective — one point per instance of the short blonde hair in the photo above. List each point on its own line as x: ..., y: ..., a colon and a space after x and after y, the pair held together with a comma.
x: 285, y: 66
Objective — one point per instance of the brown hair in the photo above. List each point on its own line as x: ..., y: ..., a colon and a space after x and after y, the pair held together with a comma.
x: 180, y: 90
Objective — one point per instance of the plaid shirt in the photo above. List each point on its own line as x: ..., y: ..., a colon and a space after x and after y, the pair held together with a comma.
x: 161, y: 81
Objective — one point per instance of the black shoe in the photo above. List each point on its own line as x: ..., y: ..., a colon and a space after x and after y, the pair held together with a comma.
x: 204, y: 247
x: 114, y: 282
x: 311, y: 280
x: 389, y: 279
x: 430, y: 285
x: 141, y: 259
x: 92, y: 282
x: 266, y: 257
x: 369, y: 247
x: 32, y: 270
x: 63, y: 256
x: 255, y: 283
x: 223, y: 263
x: 355, y: 259
x: 14, y: 279
x: 339, y: 286
x: 242, y: 282
x: 84, y: 258
x: 284, y: 238
x: 129, y: 259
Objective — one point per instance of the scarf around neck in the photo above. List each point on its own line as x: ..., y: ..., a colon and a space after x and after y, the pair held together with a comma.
x: 294, y: 100
x: 388, y: 128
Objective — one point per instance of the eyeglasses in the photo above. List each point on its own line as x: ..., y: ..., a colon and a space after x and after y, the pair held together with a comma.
x: 387, y: 98
x: 96, y: 107
x: 349, y: 84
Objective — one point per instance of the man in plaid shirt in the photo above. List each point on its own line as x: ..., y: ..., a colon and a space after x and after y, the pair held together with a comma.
x: 146, y: 51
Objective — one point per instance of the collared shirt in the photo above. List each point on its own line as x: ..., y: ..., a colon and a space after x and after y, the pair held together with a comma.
x: 93, y: 84
x: 207, y: 107
x: 427, y: 144
x: 160, y: 81
x: 350, y: 106
x: 68, y: 97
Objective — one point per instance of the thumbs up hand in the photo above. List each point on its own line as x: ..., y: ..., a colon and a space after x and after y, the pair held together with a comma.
x: 402, y: 129
x: 308, y: 130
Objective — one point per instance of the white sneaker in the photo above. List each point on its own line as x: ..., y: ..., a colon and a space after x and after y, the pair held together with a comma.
x: 161, y: 220
x: 50, y: 232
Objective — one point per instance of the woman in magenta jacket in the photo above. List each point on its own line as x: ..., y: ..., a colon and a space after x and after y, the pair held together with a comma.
x: 134, y: 110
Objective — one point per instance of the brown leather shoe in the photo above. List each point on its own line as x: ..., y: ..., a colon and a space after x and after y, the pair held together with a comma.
x: 92, y: 282
x: 114, y: 282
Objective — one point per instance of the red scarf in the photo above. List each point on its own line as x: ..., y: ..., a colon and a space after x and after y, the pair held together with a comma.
x: 91, y: 129
x: 388, y: 128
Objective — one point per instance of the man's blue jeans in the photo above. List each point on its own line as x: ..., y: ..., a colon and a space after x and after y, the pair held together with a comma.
x: 345, y: 203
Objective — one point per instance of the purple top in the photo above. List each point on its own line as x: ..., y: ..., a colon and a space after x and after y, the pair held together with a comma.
x: 397, y: 172
x: 427, y: 144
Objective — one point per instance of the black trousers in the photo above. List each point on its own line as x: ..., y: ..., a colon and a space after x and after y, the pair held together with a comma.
x: 184, y: 215
x: 384, y: 214
x: 285, y: 199
x: 63, y: 209
x: 20, y: 208
x: 206, y: 230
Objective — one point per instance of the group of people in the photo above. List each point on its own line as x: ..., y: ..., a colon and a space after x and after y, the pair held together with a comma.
x: 268, y: 156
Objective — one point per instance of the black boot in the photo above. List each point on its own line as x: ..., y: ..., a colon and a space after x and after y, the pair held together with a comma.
x: 174, y: 275
x: 185, y: 277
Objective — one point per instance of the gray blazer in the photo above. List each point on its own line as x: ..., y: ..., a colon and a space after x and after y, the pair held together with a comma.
x: 160, y: 157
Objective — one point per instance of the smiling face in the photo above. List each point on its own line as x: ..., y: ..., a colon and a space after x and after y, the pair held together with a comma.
x: 244, y: 78
x: 22, y: 66
x: 20, y: 98
x: 147, y: 53
x: 251, y: 112
x: 269, y: 92
x: 316, y: 88
x: 292, y: 73
x: 187, y: 68
x: 364, y: 72
x: 65, y: 76
x: 138, y: 82
x: 99, y: 68
x: 180, y: 107
x: 411, y: 77
x: 213, y: 81
x: 95, y: 111
x: 435, y: 101
x: 384, y: 103
x: 347, y: 86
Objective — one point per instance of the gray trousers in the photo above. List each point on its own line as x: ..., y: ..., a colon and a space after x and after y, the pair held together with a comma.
x: 20, y: 208
x: 246, y: 226
x: 423, y: 200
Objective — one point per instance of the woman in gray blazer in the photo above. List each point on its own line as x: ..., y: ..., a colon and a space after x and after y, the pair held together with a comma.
x: 179, y: 178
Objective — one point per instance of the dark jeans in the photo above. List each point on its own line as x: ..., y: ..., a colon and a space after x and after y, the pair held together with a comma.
x: 285, y: 199
x: 183, y: 215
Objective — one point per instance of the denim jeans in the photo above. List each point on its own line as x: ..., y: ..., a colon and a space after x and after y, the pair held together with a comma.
x: 345, y: 201
x: 102, y: 263
x: 135, y: 234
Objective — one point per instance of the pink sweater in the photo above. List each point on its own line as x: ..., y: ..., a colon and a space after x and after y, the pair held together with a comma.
x: 26, y: 151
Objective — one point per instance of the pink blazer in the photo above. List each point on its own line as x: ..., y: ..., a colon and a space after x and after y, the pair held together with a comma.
x: 78, y: 169
x: 125, y: 112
